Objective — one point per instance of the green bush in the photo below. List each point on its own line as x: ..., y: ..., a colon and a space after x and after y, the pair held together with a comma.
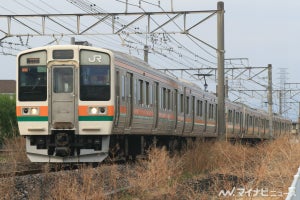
x: 8, y: 120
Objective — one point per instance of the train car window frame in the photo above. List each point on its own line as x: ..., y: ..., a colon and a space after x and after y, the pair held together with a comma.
x: 32, y: 76
x: 94, y: 75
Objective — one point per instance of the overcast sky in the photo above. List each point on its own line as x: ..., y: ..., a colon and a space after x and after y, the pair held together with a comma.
x: 265, y: 32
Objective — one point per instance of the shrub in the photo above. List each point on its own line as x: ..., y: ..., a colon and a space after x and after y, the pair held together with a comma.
x: 8, y: 120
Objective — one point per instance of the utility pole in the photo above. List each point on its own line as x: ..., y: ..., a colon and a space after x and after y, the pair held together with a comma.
x: 221, y: 85
x: 270, y: 100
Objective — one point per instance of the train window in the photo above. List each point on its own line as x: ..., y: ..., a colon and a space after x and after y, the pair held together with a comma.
x: 216, y: 112
x: 94, y: 83
x: 197, y: 108
x: 187, y: 105
x: 163, y: 98
x: 181, y: 103
x: 251, y: 121
x: 139, y: 92
x: 241, y: 118
x: 210, y: 111
x: 146, y: 91
x: 168, y: 99
x: 193, y: 106
x: 201, y: 108
x: 32, y: 83
x: 230, y: 116
x: 172, y: 101
x: 123, y: 86
x: 237, y: 118
x: 118, y: 83
x: 150, y: 95
x: 63, y: 80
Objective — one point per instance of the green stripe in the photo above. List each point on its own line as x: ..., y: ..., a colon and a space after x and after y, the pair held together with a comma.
x: 80, y: 118
x: 95, y: 118
x: 32, y: 118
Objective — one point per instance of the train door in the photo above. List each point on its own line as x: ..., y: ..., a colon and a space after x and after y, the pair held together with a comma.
x: 156, y: 104
x: 63, y: 94
x: 129, y: 99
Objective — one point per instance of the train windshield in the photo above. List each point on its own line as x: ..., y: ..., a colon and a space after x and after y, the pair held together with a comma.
x: 94, y: 83
x: 32, y: 83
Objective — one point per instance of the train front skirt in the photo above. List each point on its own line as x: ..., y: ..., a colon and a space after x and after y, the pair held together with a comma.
x: 85, y: 155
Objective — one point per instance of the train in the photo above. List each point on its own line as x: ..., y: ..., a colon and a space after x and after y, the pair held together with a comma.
x: 78, y: 104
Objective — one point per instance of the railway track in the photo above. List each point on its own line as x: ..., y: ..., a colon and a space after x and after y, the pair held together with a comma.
x: 20, y: 173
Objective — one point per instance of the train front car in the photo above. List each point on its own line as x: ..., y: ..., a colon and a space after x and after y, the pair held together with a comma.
x: 64, y: 103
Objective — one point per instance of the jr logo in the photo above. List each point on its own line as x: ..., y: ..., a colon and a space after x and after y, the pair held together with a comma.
x: 95, y: 58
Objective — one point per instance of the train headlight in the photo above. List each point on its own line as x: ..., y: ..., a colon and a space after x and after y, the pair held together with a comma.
x: 97, y: 110
x: 34, y: 111
x: 93, y: 110
x: 102, y: 110
x: 30, y: 111
x: 25, y: 111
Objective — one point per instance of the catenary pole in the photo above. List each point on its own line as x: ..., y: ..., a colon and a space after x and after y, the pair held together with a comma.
x: 270, y: 100
x: 221, y: 85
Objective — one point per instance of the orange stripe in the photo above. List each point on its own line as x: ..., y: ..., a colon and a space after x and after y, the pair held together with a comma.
x: 43, y: 110
x: 83, y: 110
x: 123, y: 109
x: 142, y: 112
x: 110, y: 111
x: 199, y: 121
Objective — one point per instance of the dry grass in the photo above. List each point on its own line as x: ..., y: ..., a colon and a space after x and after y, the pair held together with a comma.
x: 269, y: 166
x: 16, y: 148
x: 156, y: 178
x: 78, y: 185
